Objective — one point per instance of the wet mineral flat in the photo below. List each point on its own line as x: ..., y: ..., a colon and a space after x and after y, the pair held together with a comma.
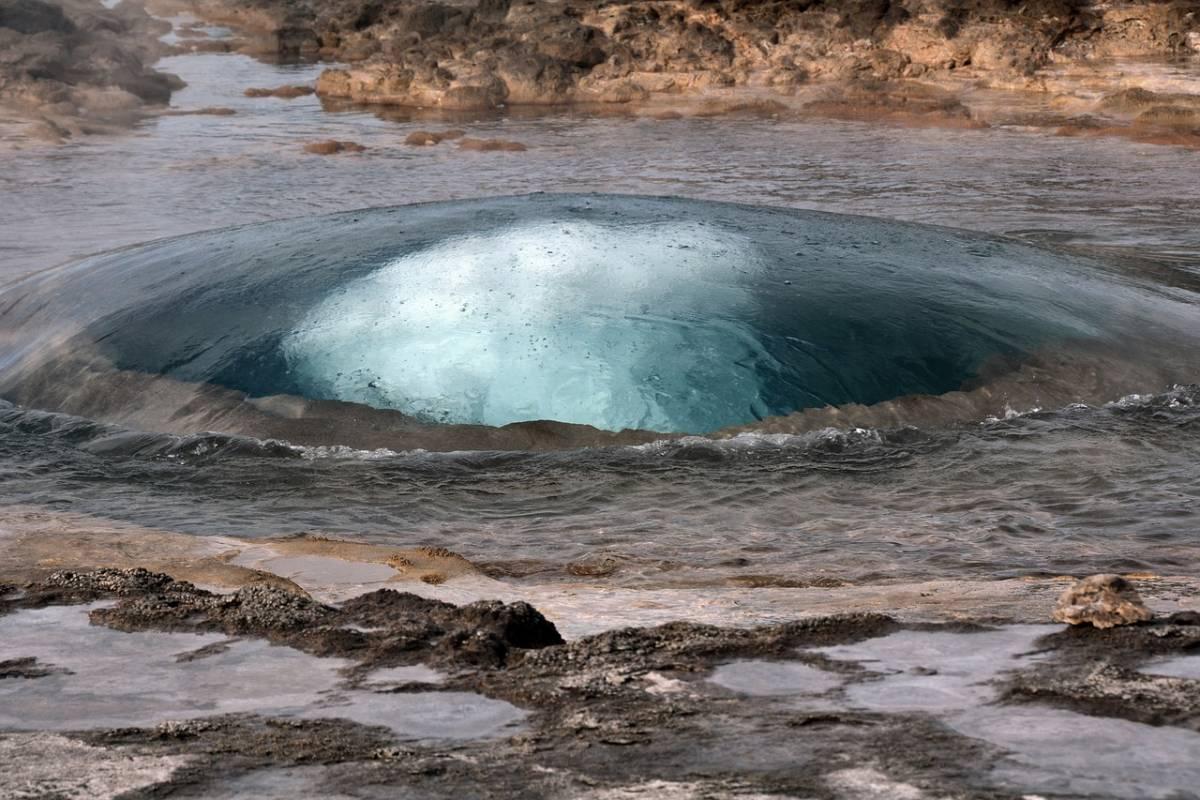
x: 100, y: 678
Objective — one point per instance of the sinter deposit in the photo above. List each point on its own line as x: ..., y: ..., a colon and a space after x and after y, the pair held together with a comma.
x: 1104, y: 601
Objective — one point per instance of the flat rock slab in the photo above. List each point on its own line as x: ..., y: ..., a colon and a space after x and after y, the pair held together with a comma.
x: 108, y: 679
x: 39, y: 765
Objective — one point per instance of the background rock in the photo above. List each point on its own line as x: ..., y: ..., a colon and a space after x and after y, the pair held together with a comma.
x: 74, y: 67
x: 480, y: 54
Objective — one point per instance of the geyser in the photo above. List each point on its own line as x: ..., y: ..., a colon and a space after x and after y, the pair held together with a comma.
x: 564, y: 320
x: 613, y: 312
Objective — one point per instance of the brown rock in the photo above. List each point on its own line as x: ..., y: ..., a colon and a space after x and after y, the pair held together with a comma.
x: 595, y: 566
x: 1179, y: 135
x: 207, y: 111
x: 204, y: 46
x: 282, y: 92
x: 1170, y: 116
x: 1104, y: 601
x: 422, y: 139
x: 491, y: 145
x: 1134, y: 99
x: 428, y: 138
x: 905, y: 104
x: 487, y: 54
x: 475, y: 97
x: 331, y: 147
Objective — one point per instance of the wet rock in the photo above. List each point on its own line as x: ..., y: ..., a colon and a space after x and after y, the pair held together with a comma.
x: 1134, y: 99
x: 1137, y: 100
x: 207, y: 111
x: 258, y: 609
x: 779, y: 581
x: 622, y: 714
x: 1170, y: 116
x: 1178, y: 135
x: 331, y: 147
x: 517, y: 624
x: 595, y: 566
x: 1102, y: 671
x: 896, y: 102
x: 43, y: 765
x: 479, y: 633
x: 483, y: 55
x: 1103, y: 601
x: 27, y: 668
x: 206, y: 651
x: 491, y: 145
x: 403, y: 628
x: 254, y: 739
x: 429, y: 138
x: 481, y: 95
x: 422, y: 139
x: 1110, y: 690
x: 283, y: 92
x: 204, y: 46
x: 84, y: 586
x: 1184, y: 618
x: 605, y: 664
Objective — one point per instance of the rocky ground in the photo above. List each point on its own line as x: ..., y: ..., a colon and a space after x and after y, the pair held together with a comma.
x: 623, y: 714
x: 956, y: 63
x: 1076, y: 67
x: 73, y: 67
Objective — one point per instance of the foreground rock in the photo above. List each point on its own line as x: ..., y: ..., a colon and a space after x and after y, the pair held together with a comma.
x: 382, y: 628
x: 637, y: 712
x: 72, y: 67
x: 1104, y: 601
x: 1109, y: 671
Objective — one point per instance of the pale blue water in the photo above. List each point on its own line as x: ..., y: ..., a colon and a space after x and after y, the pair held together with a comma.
x: 613, y: 312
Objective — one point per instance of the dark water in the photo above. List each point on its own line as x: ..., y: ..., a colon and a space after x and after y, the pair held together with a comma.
x: 439, y: 326
x: 1081, y: 489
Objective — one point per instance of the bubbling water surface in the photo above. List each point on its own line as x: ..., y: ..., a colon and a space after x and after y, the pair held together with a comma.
x: 617, y: 313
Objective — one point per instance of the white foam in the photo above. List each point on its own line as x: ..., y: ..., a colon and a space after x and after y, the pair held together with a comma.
x: 548, y: 320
